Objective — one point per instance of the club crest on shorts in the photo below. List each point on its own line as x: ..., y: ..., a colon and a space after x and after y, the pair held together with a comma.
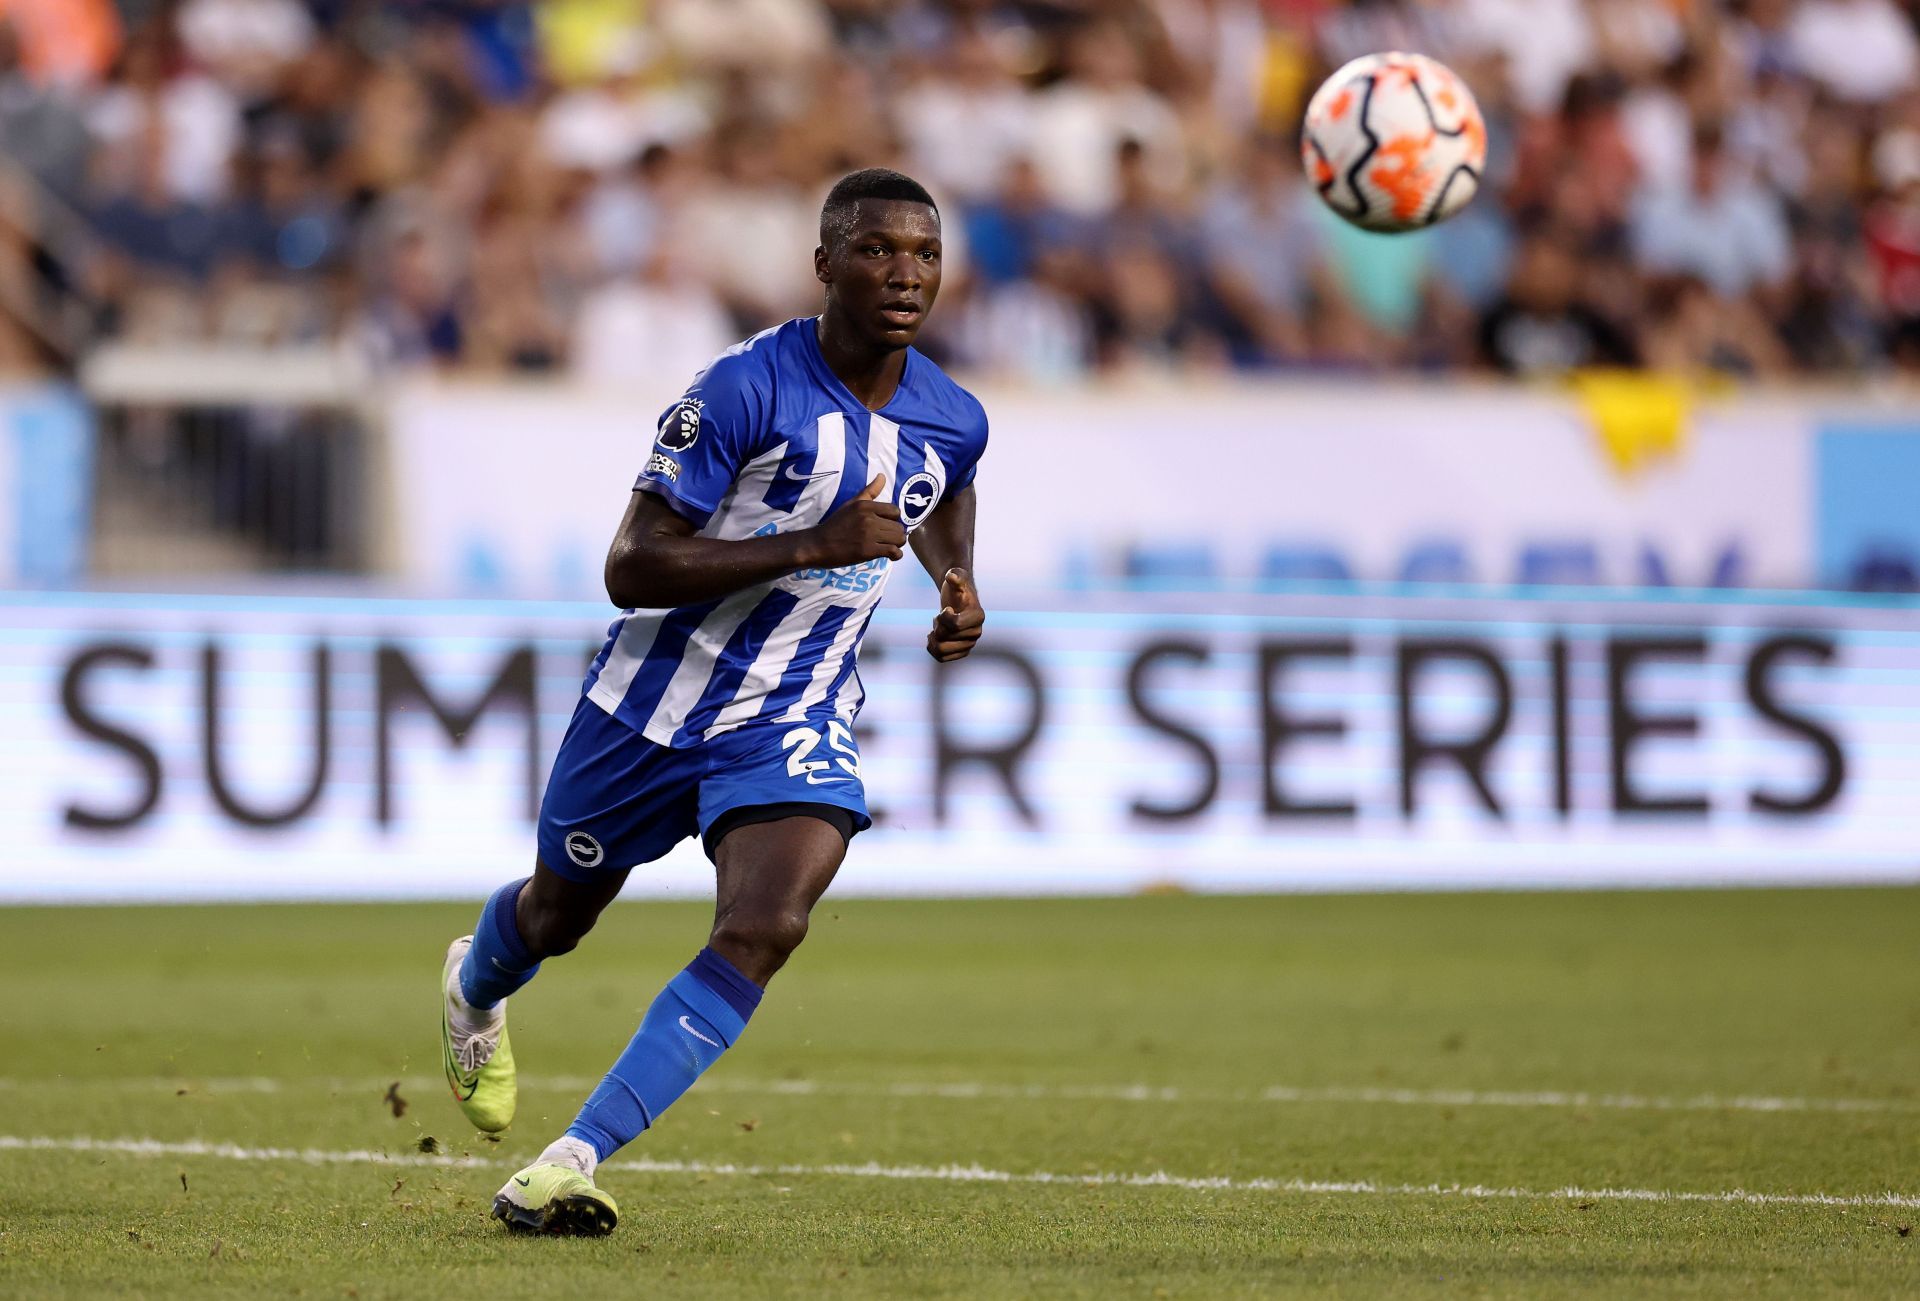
x: 681, y: 427
x: 917, y: 498
x: 584, y: 850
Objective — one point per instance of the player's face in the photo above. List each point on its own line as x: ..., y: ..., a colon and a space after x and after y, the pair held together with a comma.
x: 882, y: 277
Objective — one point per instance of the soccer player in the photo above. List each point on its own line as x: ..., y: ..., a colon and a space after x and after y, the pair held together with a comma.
x: 754, y: 549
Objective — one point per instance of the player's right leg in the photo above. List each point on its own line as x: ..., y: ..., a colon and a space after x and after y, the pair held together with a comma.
x: 614, y: 799
x: 524, y: 923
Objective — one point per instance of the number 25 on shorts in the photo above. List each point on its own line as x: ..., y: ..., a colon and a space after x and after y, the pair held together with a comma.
x: 803, y: 741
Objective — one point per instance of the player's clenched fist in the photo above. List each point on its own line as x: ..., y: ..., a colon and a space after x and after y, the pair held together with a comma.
x: 864, y: 529
x: 957, y: 627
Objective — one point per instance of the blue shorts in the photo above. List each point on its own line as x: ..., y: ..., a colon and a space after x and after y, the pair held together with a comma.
x: 616, y: 800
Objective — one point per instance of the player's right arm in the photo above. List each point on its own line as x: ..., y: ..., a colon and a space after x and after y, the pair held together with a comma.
x: 658, y: 561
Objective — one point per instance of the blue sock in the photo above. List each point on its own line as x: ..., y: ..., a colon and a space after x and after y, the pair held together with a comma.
x: 698, y: 1016
x: 498, y: 963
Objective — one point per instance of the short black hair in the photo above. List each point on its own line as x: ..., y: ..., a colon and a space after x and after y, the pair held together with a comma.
x: 836, y: 214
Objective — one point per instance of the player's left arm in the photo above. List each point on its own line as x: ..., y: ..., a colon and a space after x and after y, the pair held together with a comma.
x: 944, y: 544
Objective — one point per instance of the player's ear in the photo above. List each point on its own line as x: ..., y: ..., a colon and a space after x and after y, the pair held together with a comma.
x: 822, y: 265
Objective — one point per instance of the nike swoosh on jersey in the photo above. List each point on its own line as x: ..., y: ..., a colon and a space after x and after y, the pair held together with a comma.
x: 809, y: 478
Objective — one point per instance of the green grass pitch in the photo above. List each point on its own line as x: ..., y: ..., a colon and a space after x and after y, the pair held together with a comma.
x: 1366, y: 1047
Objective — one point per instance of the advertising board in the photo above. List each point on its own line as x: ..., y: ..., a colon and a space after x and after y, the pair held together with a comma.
x: 282, y: 747
x: 514, y: 491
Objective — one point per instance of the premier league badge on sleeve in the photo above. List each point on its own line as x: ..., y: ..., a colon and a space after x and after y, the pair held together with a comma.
x: 681, y: 428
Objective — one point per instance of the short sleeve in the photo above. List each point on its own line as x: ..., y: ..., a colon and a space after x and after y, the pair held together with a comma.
x: 706, y: 437
x: 973, y: 445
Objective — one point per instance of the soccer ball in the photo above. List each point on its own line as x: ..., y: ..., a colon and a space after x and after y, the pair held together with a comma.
x: 1394, y: 141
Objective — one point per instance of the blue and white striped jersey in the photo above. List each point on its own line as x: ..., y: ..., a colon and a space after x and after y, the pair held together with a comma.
x: 768, y: 440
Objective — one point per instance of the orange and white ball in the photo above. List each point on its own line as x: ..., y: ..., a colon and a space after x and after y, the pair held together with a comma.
x: 1394, y: 142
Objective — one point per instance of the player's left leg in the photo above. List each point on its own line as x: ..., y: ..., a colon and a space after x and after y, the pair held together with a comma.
x: 770, y: 873
x: 776, y: 825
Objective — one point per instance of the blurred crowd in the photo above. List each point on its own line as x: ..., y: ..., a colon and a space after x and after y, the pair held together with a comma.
x: 615, y: 188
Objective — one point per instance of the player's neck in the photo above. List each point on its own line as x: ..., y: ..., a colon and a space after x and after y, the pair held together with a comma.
x: 871, y: 374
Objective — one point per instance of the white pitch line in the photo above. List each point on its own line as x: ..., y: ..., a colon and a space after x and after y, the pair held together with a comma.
x: 1334, y: 1094
x: 1584, y: 1101
x: 234, y: 1152
x: 964, y: 1090
x: 973, y: 1174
